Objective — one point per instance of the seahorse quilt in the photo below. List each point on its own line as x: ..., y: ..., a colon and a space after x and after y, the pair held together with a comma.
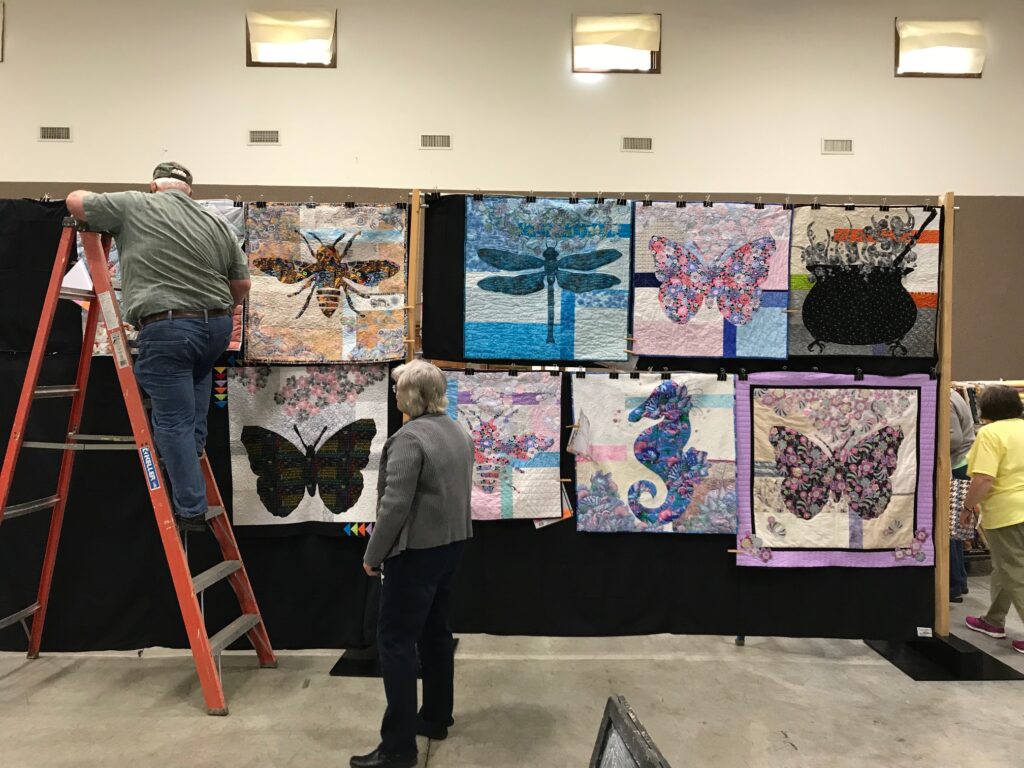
x: 328, y: 283
x: 306, y: 444
x: 547, y: 280
x: 711, y: 281
x: 834, y: 471
x: 864, y: 281
x: 515, y: 423
x: 654, y: 454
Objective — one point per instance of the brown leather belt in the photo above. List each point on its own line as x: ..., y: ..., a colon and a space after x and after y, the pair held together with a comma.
x: 173, y: 314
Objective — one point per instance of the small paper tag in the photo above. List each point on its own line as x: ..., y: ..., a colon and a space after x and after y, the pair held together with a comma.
x: 924, y: 632
x: 117, y: 344
x: 109, y: 313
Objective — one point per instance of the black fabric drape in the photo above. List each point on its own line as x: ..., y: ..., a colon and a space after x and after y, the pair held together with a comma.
x: 29, y: 233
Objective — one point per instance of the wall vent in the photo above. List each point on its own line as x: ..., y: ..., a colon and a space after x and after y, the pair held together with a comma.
x: 265, y: 138
x: 55, y: 133
x: 435, y: 141
x: 637, y: 144
x: 837, y: 146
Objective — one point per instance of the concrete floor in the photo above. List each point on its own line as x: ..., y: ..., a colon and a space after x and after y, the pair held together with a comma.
x: 523, y: 702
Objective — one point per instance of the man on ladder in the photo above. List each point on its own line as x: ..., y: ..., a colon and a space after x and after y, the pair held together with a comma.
x: 182, y: 273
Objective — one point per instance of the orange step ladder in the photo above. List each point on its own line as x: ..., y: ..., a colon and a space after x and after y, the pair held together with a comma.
x: 206, y: 649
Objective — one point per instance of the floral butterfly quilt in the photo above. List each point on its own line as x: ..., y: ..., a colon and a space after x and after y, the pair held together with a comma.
x: 711, y: 281
x: 835, y: 471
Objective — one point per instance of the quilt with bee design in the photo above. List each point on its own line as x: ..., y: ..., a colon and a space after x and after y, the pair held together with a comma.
x: 835, y: 471
x: 654, y: 455
x: 711, y: 281
x: 328, y: 283
x: 546, y: 280
x: 515, y: 423
x: 306, y: 444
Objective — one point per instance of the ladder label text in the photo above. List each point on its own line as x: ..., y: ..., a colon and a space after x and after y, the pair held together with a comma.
x: 150, y: 467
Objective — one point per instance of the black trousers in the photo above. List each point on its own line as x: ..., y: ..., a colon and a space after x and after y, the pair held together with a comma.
x: 415, y: 604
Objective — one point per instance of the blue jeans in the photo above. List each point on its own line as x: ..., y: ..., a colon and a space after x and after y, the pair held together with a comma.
x: 174, y: 367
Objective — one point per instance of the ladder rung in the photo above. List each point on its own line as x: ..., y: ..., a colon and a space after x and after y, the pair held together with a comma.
x: 213, y: 512
x: 78, y: 446
x: 57, y: 390
x: 232, y: 632
x: 211, y: 576
x: 14, y: 618
x: 17, y: 510
x: 77, y: 294
x: 107, y: 438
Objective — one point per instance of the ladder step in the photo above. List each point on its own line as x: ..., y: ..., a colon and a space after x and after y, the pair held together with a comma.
x: 107, y: 438
x: 14, y: 618
x: 77, y: 294
x: 17, y: 510
x: 58, y: 390
x: 79, y: 446
x: 211, y: 576
x: 232, y: 632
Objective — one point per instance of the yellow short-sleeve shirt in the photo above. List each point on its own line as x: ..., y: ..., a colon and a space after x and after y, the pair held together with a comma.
x: 998, y: 452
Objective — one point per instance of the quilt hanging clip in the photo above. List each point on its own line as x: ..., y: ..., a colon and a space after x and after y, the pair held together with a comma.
x: 722, y: 375
x: 261, y: 203
x: 885, y: 204
x: 759, y: 205
x: 238, y: 201
x: 858, y: 375
x: 933, y: 374
x: 513, y: 371
x: 647, y: 201
x: 531, y: 198
x: 815, y: 205
x: 743, y: 374
x: 478, y: 196
x: 311, y: 203
x: 707, y: 202
x: 573, y: 198
x: 621, y: 199
x: 581, y: 374
x: 665, y: 374
x: 634, y: 374
x: 680, y: 203
x: 788, y: 206
x: 849, y: 204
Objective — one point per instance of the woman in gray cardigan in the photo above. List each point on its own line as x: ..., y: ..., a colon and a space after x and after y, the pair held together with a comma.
x: 423, y: 520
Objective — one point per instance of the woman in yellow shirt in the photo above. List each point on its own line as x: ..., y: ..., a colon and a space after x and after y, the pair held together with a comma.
x: 996, y: 467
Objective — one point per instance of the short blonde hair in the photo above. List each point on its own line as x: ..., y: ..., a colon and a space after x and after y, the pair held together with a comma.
x: 421, y: 388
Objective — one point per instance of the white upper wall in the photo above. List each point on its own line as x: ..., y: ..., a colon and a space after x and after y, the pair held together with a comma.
x: 748, y: 89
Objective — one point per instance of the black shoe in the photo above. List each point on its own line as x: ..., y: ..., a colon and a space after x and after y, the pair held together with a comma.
x: 378, y: 759
x: 190, y: 524
x: 432, y: 731
x: 965, y: 591
x: 956, y: 599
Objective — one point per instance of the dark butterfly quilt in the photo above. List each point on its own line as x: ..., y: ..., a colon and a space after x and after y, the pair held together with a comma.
x: 306, y: 443
x: 835, y: 471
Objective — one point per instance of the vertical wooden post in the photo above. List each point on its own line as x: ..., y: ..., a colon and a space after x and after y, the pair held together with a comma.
x: 414, y: 276
x: 943, y: 471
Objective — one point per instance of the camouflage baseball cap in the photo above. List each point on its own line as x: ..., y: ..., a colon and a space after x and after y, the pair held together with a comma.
x: 172, y: 170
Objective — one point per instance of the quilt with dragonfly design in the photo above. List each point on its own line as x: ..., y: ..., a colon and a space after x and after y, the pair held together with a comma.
x: 546, y: 280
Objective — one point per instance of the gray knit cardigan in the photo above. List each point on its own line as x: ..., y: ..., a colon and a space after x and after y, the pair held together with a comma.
x: 423, y: 489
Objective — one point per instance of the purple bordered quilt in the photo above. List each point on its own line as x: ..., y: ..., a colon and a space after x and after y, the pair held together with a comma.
x: 835, y: 472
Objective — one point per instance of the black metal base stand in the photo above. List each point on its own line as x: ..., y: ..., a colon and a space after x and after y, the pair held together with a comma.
x: 942, y: 659
x: 362, y: 662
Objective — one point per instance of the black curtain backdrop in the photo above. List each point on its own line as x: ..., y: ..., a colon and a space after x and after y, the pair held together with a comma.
x: 112, y: 589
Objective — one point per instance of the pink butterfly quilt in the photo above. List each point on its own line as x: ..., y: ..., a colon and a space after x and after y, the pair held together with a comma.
x: 711, y: 281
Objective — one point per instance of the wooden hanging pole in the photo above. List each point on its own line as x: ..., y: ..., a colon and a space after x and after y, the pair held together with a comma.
x: 940, y: 530
x: 414, y: 277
